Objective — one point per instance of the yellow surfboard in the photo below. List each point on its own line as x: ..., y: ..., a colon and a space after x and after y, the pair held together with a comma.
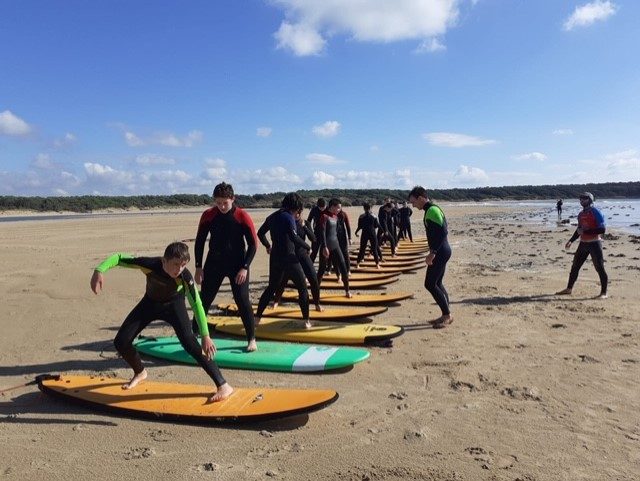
x: 185, y: 402
x: 398, y: 269
x: 370, y: 284
x: 329, y: 314
x: 358, y: 298
x: 362, y: 276
x: 318, y: 333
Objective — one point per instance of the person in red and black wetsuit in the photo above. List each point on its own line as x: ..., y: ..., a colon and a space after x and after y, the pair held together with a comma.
x: 591, y: 226
x: 330, y: 246
x: 283, y: 261
x: 368, y: 224
x: 314, y: 218
x: 168, y: 283
x: 232, y: 246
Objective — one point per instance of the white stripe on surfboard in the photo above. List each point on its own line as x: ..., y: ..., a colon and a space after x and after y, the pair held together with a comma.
x: 313, y: 358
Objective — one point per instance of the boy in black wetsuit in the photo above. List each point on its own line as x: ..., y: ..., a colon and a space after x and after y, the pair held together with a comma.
x: 385, y: 233
x: 168, y: 282
x: 330, y: 246
x: 368, y: 224
x: 439, y: 254
x: 405, y: 221
x: 344, y: 238
x: 283, y: 260
x: 314, y: 218
x: 229, y: 228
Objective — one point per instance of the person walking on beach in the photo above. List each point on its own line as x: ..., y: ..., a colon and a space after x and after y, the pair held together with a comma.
x: 168, y: 283
x: 591, y: 226
x: 439, y: 254
x: 559, y: 208
x: 283, y: 261
x: 368, y: 224
x: 232, y: 246
x: 331, y: 254
x: 314, y: 218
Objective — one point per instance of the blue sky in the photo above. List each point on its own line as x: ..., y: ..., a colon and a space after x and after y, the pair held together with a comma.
x: 165, y: 96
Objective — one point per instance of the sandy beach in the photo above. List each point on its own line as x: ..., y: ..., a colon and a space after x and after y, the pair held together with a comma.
x: 524, y: 385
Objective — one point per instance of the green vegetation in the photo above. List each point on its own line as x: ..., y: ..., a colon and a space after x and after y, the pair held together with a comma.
x: 349, y: 197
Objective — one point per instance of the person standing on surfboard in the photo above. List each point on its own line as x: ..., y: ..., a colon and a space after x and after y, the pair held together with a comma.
x: 344, y: 238
x: 330, y: 245
x: 368, y: 224
x: 591, y: 226
x: 283, y: 261
x: 405, y: 221
x: 314, y: 218
x: 439, y: 254
x: 168, y: 282
x: 232, y: 246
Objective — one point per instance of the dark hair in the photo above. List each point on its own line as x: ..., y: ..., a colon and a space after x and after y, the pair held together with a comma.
x: 366, y: 206
x: 223, y: 190
x: 388, y: 205
x: 334, y: 201
x: 177, y: 250
x: 321, y: 202
x: 292, y: 201
x: 418, y: 191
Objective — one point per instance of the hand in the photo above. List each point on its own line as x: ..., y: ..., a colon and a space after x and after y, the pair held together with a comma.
x: 208, y: 347
x: 429, y: 259
x: 325, y: 252
x: 567, y: 245
x: 269, y: 250
x: 97, y: 279
x: 241, y: 276
x: 199, y: 277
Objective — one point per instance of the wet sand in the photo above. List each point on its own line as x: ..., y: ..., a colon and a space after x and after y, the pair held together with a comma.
x: 523, y: 386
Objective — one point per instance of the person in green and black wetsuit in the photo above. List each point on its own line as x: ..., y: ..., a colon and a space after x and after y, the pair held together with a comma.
x: 439, y: 254
x: 168, y: 282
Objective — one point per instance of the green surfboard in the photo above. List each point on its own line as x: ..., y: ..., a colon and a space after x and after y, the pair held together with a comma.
x: 270, y: 356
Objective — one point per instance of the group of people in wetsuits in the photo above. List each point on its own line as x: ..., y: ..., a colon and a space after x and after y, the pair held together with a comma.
x: 232, y: 247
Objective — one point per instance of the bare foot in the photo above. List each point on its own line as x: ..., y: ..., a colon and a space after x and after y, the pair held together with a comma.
x: 348, y: 295
x: 564, y: 292
x: 223, y: 393
x: 307, y: 324
x: 602, y: 295
x: 357, y: 266
x: 274, y: 305
x: 443, y: 322
x: 257, y: 320
x: 319, y: 308
x: 378, y: 266
x: 252, y: 346
x: 135, y: 380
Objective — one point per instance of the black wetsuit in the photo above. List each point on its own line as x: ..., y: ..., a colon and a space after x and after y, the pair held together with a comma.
x: 344, y: 238
x: 227, y: 255
x: 405, y: 223
x: 163, y: 300
x: 304, y: 231
x: 329, y: 239
x: 283, y: 261
x: 435, y: 224
x: 385, y: 232
x: 369, y: 225
x: 314, y: 219
x: 559, y: 207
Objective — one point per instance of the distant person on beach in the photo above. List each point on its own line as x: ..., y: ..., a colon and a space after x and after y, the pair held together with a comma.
x: 591, y: 226
x: 232, y: 246
x: 405, y: 221
x: 331, y: 254
x: 283, y: 261
x: 168, y: 283
x: 385, y: 233
x: 439, y: 254
x: 314, y: 218
x: 369, y: 225
x: 559, y: 207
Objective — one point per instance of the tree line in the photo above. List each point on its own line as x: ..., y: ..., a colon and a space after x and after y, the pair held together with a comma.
x: 349, y: 197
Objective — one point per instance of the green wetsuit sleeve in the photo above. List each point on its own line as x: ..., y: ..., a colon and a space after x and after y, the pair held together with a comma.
x: 118, y: 259
x: 435, y: 215
x: 198, y: 310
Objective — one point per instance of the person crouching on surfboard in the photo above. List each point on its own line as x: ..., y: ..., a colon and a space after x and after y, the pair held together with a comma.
x: 168, y: 282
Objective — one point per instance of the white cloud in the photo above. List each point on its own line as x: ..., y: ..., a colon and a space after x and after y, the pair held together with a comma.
x: 167, y: 139
x: 43, y: 162
x: 12, y: 125
x: 362, y: 179
x: 430, y: 45
x: 106, y: 174
x: 562, y: 132
x: 326, y: 130
x: 154, y: 159
x: 470, y: 175
x: 217, y: 162
x: 449, y: 139
x: 626, y: 163
x: 264, y: 131
x: 66, y: 141
x: 535, y: 156
x: 320, y: 178
x: 309, y: 22
x: 589, y: 13
x: 323, y: 159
